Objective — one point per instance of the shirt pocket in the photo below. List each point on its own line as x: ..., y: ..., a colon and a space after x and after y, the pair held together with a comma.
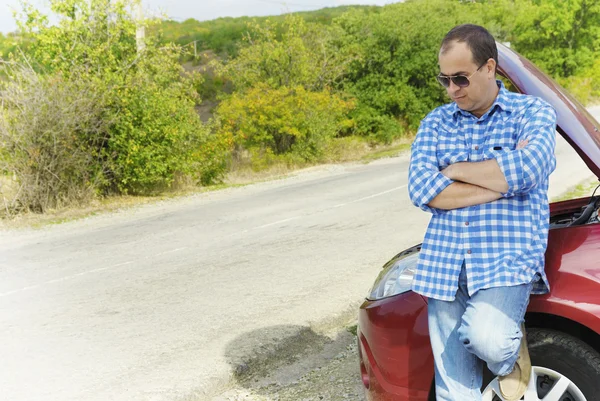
x: 496, y: 149
x: 448, y: 154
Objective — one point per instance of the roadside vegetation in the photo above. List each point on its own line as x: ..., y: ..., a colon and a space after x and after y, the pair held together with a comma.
x: 584, y: 189
x: 87, y: 112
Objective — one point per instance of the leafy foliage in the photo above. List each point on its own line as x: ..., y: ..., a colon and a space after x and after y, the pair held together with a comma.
x: 562, y: 37
x: 394, y: 77
x: 154, y: 129
x: 283, y: 76
x: 147, y: 98
x: 7, y: 45
x: 277, y: 121
x: 302, y: 54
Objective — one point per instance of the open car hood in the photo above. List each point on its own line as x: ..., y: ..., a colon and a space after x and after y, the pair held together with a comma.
x: 574, y: 122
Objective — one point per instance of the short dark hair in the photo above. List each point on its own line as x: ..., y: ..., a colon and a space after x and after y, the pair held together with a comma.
x: 480, y: 41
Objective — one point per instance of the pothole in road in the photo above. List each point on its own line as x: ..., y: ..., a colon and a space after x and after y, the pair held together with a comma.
x: 330, y: 375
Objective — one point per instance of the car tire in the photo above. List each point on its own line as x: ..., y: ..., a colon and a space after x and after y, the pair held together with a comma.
x: 565, y: 354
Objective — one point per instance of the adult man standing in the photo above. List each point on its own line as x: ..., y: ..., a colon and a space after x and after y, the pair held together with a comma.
x: 480, y: 165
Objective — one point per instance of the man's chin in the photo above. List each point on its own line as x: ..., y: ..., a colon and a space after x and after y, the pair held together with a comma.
x: 463, y: 105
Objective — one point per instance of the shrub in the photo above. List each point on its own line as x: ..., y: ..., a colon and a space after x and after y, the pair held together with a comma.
x: 369, y: 123
x: 282, y: 120
x: 51, y: 130
x: 155, y: 130
x: 212, y: 156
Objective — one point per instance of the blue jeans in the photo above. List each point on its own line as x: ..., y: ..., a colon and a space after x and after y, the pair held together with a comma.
x: 470, y: 331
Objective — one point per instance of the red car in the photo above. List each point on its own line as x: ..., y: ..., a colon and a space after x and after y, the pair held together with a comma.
x: 563, y: 327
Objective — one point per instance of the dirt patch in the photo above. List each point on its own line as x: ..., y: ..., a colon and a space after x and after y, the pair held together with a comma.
x: 332, y: 374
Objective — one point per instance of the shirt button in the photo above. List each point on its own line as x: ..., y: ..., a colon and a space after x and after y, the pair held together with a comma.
x: 466, y: 223
x: 476, y: 147
x: 469, y: 251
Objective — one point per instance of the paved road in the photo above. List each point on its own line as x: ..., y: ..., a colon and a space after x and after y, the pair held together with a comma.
x: 162, y: 302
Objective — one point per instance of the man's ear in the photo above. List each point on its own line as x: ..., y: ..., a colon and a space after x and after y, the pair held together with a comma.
x: 491, y: 67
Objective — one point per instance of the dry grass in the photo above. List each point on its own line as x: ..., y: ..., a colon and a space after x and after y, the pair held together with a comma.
x: 341, y: 150
x: 96, y: 207
x: 246, y: 175
x: 392, y: 151
x: 7, y: 185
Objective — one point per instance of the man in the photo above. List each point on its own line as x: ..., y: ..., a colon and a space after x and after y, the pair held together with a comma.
x: 480, y: 165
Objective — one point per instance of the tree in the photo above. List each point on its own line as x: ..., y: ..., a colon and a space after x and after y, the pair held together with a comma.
x: 293, y: 53
x: 561, y: 36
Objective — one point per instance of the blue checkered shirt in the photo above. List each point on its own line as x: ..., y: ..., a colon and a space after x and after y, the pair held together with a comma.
x: 501, y: 243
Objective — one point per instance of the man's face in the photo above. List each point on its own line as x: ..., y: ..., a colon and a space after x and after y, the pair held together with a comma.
x: 458, y: 60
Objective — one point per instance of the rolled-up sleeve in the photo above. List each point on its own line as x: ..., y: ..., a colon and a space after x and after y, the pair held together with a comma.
x: 525, y: 168
x: 425, y: 181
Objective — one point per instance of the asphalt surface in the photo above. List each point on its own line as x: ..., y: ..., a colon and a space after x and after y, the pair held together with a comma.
x: 171, y: 301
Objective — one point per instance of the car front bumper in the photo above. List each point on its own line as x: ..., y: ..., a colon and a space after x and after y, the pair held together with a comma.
x: 395, y: 354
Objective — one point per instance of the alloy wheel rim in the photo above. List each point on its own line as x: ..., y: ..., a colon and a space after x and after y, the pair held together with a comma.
x: 545, y: 385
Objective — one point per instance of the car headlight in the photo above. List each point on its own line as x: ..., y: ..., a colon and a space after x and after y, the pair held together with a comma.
x: 395, y: 278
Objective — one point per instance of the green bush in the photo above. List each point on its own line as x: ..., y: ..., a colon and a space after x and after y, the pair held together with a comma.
x: 276, y: 121
x: 153, y: 137
x: 212, y: 156
x: 369, y: 123
x: 7, y: 45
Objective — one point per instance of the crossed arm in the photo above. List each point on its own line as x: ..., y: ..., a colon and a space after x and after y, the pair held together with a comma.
x: 474, y: 183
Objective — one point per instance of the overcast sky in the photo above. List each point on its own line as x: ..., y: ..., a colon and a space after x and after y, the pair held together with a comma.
x: 205, y: 9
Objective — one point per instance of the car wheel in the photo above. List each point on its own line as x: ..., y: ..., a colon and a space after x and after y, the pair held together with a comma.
x: 564, y: 369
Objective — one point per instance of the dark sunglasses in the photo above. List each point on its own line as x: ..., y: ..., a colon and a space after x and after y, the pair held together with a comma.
x: 462, y: 81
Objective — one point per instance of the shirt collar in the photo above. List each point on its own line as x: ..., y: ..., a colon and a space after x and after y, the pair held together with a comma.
x: 502, y: 101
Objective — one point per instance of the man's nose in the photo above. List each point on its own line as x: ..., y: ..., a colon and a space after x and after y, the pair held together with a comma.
x: 452, y: 88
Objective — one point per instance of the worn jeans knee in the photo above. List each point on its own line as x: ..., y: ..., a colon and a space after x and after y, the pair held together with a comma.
x: 498, y: 348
